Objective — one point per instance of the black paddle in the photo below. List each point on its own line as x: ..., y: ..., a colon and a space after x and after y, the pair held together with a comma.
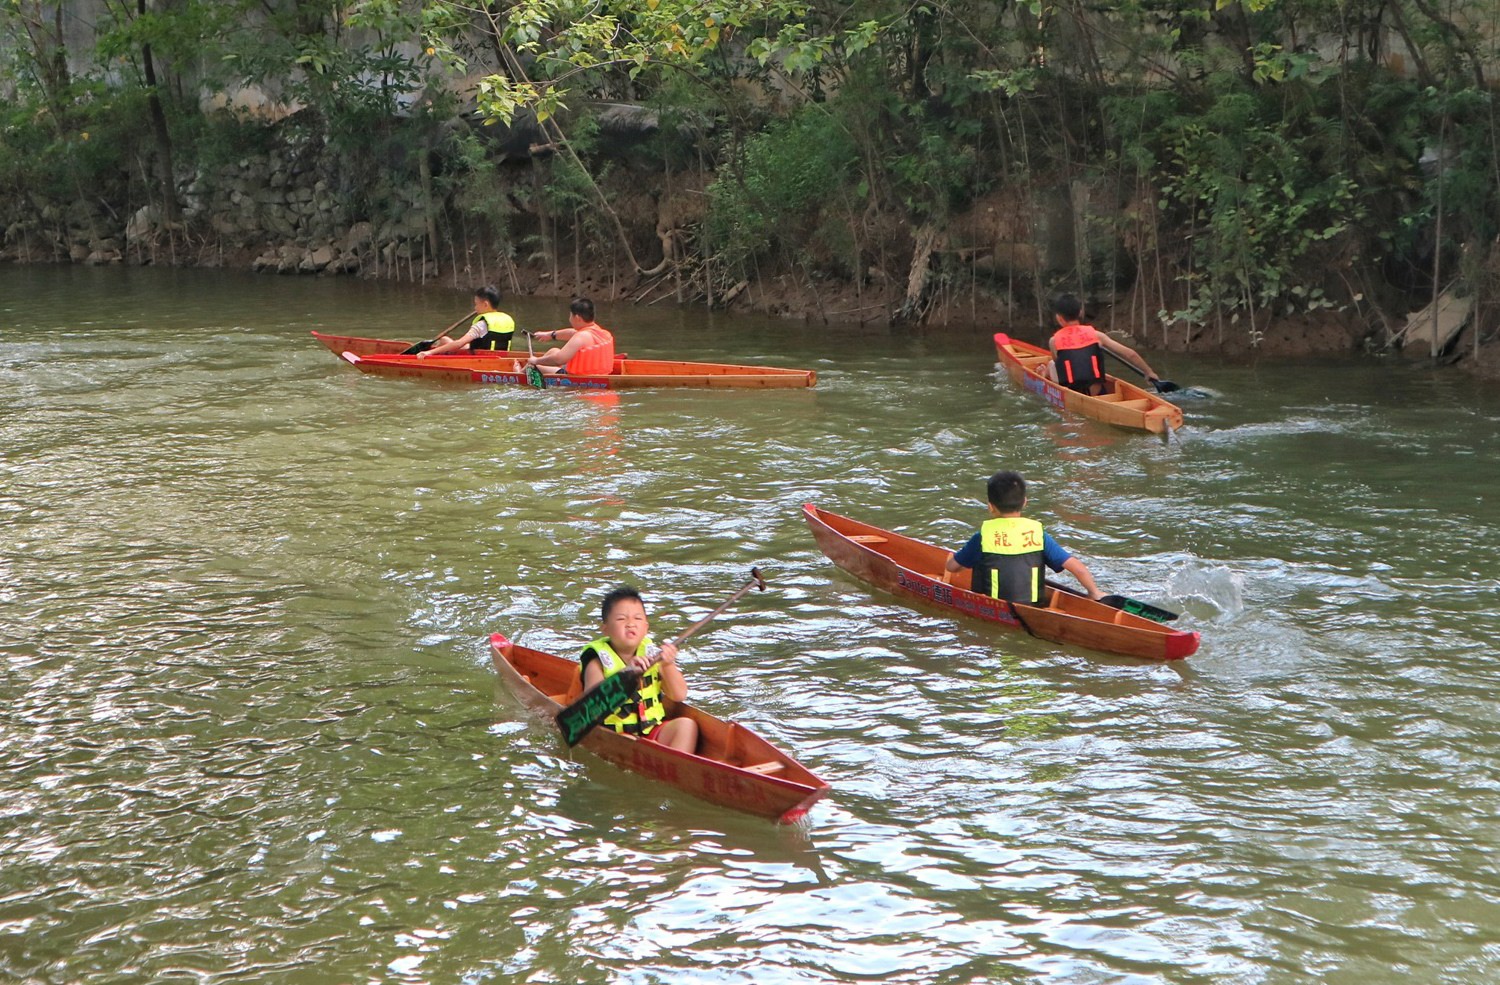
x: 1162, y: 386
x: 1125, y: 604
x: 424, y: 346
x: 603, y: 699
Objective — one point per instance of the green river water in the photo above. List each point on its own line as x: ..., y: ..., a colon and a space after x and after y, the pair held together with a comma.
x: 249, y: 731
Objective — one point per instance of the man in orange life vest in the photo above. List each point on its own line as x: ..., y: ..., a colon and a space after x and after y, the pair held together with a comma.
x: 587, y: 349
x: 1078, y: 351
x: 1008, y: 552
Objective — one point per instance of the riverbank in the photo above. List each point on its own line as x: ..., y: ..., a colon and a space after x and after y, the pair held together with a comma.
x: 289, y: 210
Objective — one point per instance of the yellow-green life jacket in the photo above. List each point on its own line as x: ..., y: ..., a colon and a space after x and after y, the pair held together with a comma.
x: 648, y: 710
x: 1010, y: 565
x: 498, y: 327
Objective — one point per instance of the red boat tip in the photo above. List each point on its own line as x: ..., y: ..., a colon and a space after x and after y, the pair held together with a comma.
x: 1181, y: 645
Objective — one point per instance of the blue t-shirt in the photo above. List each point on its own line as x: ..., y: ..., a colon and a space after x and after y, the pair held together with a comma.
x: 1052, y: 555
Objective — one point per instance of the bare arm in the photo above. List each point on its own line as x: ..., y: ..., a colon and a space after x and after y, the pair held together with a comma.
x: 1085, y: 577
x: 1128, y: 354
x: 952, y: 565
x: 560, y: 357
x: 449, y: 345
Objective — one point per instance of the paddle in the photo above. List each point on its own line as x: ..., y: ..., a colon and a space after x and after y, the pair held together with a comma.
x: 1133, y: 606
x: 424, y: 346
x: 1162, y: 386
x: 606, y: 697
x: 534, y: 376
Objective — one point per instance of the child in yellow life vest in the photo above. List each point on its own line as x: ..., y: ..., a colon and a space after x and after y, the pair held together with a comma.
x: 625, y: 643
x: 491, y: 329
x: 1008, y: 553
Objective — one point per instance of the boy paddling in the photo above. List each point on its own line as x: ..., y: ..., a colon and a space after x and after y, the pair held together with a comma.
x: 625, y: 643
x: 1078, y: 351
x: 1008, y: 552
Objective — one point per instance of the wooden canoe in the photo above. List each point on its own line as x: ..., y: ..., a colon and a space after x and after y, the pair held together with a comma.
x: 913, y: 569
x: 360, y: 346
x: 508, y: 369
x: 733, y: 767
x: 1122, y: 404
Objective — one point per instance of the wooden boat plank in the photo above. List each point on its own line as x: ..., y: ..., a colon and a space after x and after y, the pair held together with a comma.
x: 1126, y: 405
x: 912, y: 569
x: 721, y: 772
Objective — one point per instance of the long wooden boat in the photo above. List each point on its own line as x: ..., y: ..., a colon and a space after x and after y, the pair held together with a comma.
x: 733, y: 767
x: 361, y: 346
x: 1122, y: 404
x: 913, y: 569
x: 508, y: 369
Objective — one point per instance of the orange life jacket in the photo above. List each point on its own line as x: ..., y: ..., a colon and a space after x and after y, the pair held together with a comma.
x: 1080, y: 357
x: 594, y: 360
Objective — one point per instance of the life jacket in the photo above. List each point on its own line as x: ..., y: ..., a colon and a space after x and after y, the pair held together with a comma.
x: 594, y: 360
x: 1080, y: 357
x: 648, y: 711
x: 1010, y: 562
x: 498, y: 328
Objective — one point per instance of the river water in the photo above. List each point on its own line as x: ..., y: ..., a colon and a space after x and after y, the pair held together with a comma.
x: 249, y: 731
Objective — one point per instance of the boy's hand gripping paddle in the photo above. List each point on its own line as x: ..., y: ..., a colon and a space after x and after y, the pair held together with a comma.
x: 605, y: 698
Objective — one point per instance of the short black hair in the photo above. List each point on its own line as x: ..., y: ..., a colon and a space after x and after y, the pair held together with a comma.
x: 1007, y: 491
x: 583, y: 308
x: 618, y: 594
x: 1068, y: 306
x: 489, y: 292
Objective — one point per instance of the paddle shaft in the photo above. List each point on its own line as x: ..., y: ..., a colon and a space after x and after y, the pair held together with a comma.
x: 606, y: 697
x: 1161, y: 385
x: 1133, y: 606
x: 424, y: 346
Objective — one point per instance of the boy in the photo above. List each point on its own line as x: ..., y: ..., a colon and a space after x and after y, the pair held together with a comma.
x: 625, y: 643
x: 587, y: 350
x: 1009, y: 550
x: 490, y: 330
x: 1078, y: 351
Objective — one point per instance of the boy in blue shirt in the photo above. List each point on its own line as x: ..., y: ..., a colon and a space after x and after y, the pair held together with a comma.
x: 1008, y: 552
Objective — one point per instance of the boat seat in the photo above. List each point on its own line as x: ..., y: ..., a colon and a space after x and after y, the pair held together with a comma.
x: 771, y: 767
x: 1139, y: 403
x: 869, y: 539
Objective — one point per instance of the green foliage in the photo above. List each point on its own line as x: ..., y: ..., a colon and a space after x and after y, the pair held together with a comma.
x: 1239, y: 178
x: 772, y: 195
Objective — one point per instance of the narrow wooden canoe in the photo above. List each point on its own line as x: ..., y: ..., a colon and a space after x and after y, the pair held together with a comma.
x: 507, y: 369
x: 1123, y: 404
x: 913, y: 569
x: 733, y: 767
x: 360, y: 346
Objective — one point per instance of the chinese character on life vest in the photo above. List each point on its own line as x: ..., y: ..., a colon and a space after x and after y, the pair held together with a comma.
x: 1030, y: 540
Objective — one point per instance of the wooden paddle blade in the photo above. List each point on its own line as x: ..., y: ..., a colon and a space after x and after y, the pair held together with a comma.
x: 535, y: 378
x: 1166, y: 386
x: 419, y: 347
x: 597, y: 703
x: 1138, y: 608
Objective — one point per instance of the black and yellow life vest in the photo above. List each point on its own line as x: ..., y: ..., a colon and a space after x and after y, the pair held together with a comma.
x: 647, y: 711
x: 498, y: 327
x: 1010, y: 562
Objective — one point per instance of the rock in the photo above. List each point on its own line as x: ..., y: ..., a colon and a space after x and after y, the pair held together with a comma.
x: 358, y: 237
x: 78, y: 253
x: 142, y: 224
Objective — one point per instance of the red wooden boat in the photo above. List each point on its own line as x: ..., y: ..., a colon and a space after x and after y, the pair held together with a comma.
x: 508, y: 369
x: 733, y: 766
x: 913, y: 569
x: 1122, y: 404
